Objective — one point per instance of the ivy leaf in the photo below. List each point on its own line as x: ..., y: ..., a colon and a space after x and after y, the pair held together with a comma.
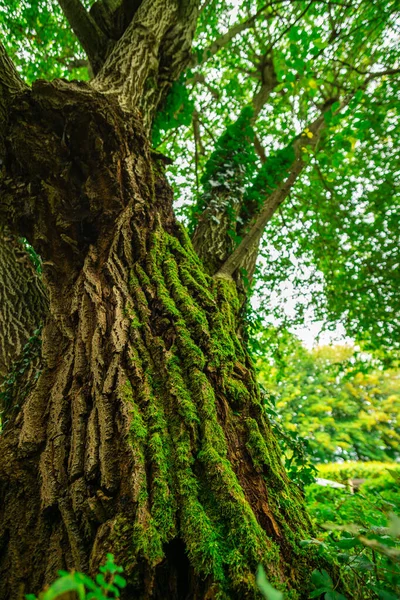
x: 384, y: 594
x: 347, y: 543
x: 321, y: 579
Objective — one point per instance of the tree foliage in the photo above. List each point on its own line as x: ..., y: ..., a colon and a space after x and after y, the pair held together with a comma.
x: 345, y: 409
x: 360, y: 530
x: 336, y: 233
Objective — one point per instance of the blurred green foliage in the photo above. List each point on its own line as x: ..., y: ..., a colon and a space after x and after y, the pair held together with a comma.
x: 336, y: 400
x: 107, y: 584
x: 39, y: 40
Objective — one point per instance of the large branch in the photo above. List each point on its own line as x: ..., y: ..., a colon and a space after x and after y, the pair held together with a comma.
x: 150, y: 56
x: 92, y: 39
x: 11, y: 84
x: 244, y: 251
x: 245, y: 254
x: 114, y: 16
x: 212, y: 237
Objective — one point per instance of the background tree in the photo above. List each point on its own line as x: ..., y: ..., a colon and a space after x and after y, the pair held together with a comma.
x: 345, y: 409
x: 139, y: 426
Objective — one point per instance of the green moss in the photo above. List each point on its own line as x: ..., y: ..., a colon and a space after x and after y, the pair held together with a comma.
x: 259, y: 452
x: 178, y: 378
x: 236, y: 392
x: 155, y: 522
x: 192, y: 314
x: 183, y: 402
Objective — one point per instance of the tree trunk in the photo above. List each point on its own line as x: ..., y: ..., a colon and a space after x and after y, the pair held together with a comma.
x: 23, y: 302
x: 142, y: 432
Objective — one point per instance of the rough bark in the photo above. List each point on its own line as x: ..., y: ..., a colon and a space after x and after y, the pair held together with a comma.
x: 143, y: 432
x: 91, y: 37
x: 150, y: 55
x: 23, y: 302
x: 10, y: 85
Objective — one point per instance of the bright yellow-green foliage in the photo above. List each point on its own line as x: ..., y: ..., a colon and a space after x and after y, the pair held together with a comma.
x: 343, y: 472
x: 343, y: 412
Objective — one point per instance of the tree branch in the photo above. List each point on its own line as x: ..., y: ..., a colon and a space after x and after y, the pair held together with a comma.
x: 259, y: 149
x: 11, y: 84
x: 92, y: 39
x: 249, y: 243
x: 371, y: 74
x: 268, y: 83
x: 221, y: 42
x: 150, y: 55
x: 204, y: 5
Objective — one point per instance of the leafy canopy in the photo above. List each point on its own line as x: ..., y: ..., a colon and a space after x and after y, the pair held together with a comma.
x: 345, y: 409
x: 334, y: 241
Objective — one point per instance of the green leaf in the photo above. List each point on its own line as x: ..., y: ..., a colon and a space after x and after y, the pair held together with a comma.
x: 295, y: 34
x: 384, y: 594
x: 119, y: 581
x: 333, y: 595
x: 347, y: 543
x: 395, y: 475
x: 269, y: 592
x: 321, y: 579
x: 318, y: 592
x: 67, y: 583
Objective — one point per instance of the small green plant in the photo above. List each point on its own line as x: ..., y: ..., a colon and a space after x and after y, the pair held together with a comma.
x: 107, y: 584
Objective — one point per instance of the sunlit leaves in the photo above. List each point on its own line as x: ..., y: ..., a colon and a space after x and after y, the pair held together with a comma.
x: 333, y: 245
x: 39, y: 40
x: 343, y: 407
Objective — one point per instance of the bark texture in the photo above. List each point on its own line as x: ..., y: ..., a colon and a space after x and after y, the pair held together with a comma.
x: 150, y: 55
x: 143, y: 432
x: 23, y: 301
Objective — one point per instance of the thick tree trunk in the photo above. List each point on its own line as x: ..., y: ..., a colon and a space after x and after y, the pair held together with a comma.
x: 142, y: 433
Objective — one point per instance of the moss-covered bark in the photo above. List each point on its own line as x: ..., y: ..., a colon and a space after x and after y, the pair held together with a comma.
x: 144, y: 433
